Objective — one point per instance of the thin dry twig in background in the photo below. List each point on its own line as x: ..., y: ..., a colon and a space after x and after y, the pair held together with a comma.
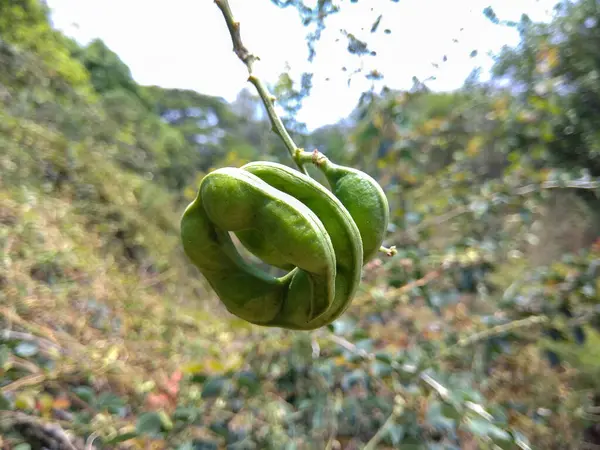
x: 30, y: 380
x: 52, y: 435
x: 524, y: 190
x: 43, y: 344
x: 392, y: 293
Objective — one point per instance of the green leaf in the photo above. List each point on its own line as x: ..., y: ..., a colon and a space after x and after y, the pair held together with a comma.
x: 436, y: 417
x: 22, y: 446
x: 149, y: 423
x: 381, y: 369
x: 491, y: 15
x: 213, y: 387
x: 360, y: 334
x: 186, y: 414
x: 198, y: 378
x: 85, y: 393
x: 352, y: 378
x: 396, y: 433
x: 4, y: 403
x: 483, y: 428
x: 121, y: 438
x: 521, y: 441
x: 110, y: 402
x: 451, y: 411
x: 376, y: 24
x: 250, y: 381
x: 383, y: 357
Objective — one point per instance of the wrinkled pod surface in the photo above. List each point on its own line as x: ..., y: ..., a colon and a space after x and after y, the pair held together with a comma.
x: 290, y: 221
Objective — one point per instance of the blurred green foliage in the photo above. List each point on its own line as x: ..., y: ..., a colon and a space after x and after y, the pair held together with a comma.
x: 480, y: 333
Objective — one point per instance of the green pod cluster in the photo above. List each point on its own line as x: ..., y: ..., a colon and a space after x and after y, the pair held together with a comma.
x: 290, y: 221
x: 365, y: 201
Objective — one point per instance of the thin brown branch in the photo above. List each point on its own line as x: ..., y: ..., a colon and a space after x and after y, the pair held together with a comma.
x: 268, y: 100
x: 23, y: 364
x: 236, y: 38
x: 396, y: 292
x: 53, y: 433
x: 351, y: 347
x: 44, y: 344
x: 502, y: 329
x: 557, y: 185
x: 438, y: 220
x: 380, y: 434
x: 368, y: 356
x: 498, y: 330
x: 30, y: 380
x: 524, y: 190
x: 33, y: 327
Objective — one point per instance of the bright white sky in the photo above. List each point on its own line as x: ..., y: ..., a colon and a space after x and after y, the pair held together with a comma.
x: 185, y: 43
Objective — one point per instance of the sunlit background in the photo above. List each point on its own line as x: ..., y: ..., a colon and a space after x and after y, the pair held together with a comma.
x: 481, y: 329
x: 185, y: 43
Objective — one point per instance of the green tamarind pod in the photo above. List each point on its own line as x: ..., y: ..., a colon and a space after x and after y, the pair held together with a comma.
x: 365, y: 201
x: 338, y: 223
x: 234, y: 200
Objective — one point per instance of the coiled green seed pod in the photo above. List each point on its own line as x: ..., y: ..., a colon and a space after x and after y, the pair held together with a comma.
x: 290, y: 221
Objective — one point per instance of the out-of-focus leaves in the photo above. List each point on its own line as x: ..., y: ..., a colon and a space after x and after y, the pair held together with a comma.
x: 214, y: 386
x: 149, y: 423
x: 483, y: 428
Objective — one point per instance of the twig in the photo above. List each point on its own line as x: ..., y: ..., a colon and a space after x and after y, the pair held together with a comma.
x: 43, y: 344
x: 585, y: 317
x: 29, y: 380
x: 234, y: 30
x: 399, y: 400
x: 492, y: 332
x: 351, y: 347
x: 437, y: 387
x: 33, y: 327
x: 268, y: 100
x: 437, y: 220
x: 558, y: 184
x: 89, y: 443
x: 378, y: 437
x: 429, y: 277
x: 462, y: 343
x: 24, y: 364
x: 52, y: 433
x: 524, y: 190
x: 502, y: 329
x: 427, y: 379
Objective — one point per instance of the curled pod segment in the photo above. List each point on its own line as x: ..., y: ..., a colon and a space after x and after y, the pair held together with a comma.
x: 338, y: 223
x: 364, y: 199
x: 290, y: 221
x: 280, y: 228
x: 233, y: 200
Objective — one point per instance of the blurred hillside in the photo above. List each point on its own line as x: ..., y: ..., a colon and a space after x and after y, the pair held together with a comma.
x: 481, y: 331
